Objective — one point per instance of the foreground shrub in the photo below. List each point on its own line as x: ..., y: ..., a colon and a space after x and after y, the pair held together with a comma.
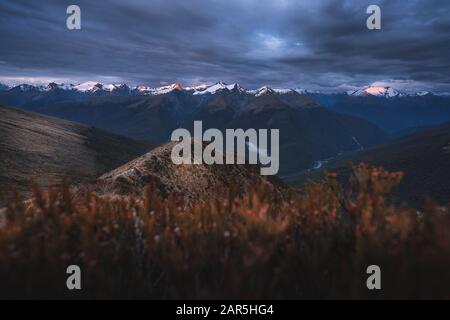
x: 312, y: 245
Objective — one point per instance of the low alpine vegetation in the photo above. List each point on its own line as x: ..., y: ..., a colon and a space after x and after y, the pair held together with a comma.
x: 315, y: 244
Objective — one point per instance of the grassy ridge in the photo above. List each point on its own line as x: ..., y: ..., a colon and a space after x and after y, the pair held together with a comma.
x: 312, y: 245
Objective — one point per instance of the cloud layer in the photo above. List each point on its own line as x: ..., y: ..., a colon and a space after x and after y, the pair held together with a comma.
x: 320, y: 45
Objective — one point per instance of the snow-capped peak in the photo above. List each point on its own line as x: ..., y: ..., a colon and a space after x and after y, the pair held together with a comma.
x: 142, y: 88
x: 198, y: 87
x: 160, y: 90
x: 261, y: 91
x: 236, y: 86
x: 28, y: 87
x: 268, y: 90
x: 115, y: 87
x: 301, y: 91
x: 386, y: 92
x: 168, y: 88
x: 218, y: 87
x: 49, y: 87
x: 88, y: 86
x: 92, y: 86
x: 283, y: 91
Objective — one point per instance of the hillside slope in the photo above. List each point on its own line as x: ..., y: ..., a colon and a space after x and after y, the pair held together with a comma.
x: 43, y: 148
x: 193, y: 182
x: 424, y: 157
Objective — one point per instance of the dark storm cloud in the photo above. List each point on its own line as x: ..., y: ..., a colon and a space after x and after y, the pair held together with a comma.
x: 320, y: 45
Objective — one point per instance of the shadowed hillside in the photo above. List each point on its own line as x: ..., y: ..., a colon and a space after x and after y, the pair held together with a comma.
x: 43, y: 148
x: 423, y: 156
x: 391, y: 114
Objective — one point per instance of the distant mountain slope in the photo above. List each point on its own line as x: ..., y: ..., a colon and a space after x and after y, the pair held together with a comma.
x: 193, y: 182
x: 424, y: 157
x: 308, y: 132
x: 140, y: 117
x: 393, y: 113
x: 41, y: 147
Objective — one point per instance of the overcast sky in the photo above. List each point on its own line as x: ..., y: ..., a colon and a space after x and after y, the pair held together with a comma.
x: 318, y: 45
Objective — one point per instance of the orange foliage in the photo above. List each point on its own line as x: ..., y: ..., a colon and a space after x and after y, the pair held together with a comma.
x: 317, y: 244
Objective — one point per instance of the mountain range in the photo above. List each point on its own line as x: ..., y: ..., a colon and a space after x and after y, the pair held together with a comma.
x: 309, y: 131
x: 390, y: 109
x: 92, y: 87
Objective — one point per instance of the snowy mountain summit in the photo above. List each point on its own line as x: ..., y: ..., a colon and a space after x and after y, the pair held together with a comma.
x: 387, y: 92
x: 212, y: 89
